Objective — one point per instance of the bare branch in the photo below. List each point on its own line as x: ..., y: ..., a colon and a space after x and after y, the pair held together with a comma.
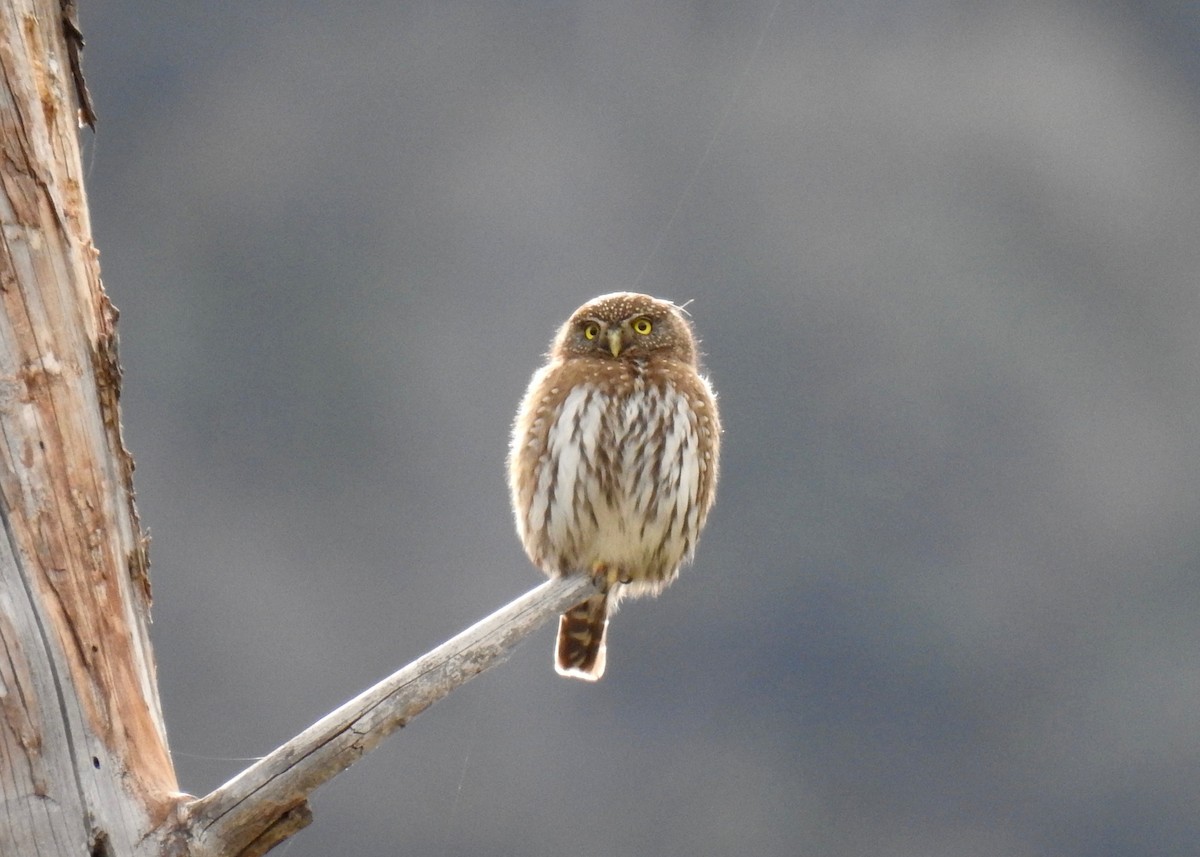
x: 233, y: 817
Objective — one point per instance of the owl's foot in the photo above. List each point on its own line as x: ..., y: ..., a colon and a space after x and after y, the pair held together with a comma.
x: 607, y: 576
x: 602, y: 576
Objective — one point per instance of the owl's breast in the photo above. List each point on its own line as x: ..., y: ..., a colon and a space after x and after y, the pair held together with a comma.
x: 615, y: 480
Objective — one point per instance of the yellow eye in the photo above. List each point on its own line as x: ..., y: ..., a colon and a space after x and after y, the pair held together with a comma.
x: 591, y: 330
x: 643, y: 326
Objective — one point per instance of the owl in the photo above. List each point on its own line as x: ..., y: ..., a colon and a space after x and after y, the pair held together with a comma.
x: 613, y: 461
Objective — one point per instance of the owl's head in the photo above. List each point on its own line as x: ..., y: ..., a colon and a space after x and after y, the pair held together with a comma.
x: 627, y: 326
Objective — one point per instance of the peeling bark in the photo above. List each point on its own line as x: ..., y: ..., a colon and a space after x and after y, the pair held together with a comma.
x: 84, y: 767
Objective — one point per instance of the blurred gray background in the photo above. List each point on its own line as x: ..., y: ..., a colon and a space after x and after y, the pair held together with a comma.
x: 944, y: 259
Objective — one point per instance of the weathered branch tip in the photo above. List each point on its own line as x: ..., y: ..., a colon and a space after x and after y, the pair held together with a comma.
x: 266, y: 803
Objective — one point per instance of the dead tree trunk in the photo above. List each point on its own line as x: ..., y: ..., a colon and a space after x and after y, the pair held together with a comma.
x: 84, y: 763
x: 84, y: 767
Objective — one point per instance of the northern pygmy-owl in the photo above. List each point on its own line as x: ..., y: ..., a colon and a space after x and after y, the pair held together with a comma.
x: 613, y: 463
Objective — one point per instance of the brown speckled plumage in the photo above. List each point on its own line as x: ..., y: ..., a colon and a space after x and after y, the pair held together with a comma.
x: 614, y: 459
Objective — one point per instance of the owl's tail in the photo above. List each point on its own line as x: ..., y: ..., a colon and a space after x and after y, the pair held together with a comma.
x: 581, y: 632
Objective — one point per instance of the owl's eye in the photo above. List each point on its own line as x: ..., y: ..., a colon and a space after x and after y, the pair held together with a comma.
x: 642, y: 326
x: 591, y: 330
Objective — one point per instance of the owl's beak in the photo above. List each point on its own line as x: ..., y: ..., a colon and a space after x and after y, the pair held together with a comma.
x: 614, y: 342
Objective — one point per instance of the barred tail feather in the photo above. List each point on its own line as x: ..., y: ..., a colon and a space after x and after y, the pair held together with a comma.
x: 581, y: 632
